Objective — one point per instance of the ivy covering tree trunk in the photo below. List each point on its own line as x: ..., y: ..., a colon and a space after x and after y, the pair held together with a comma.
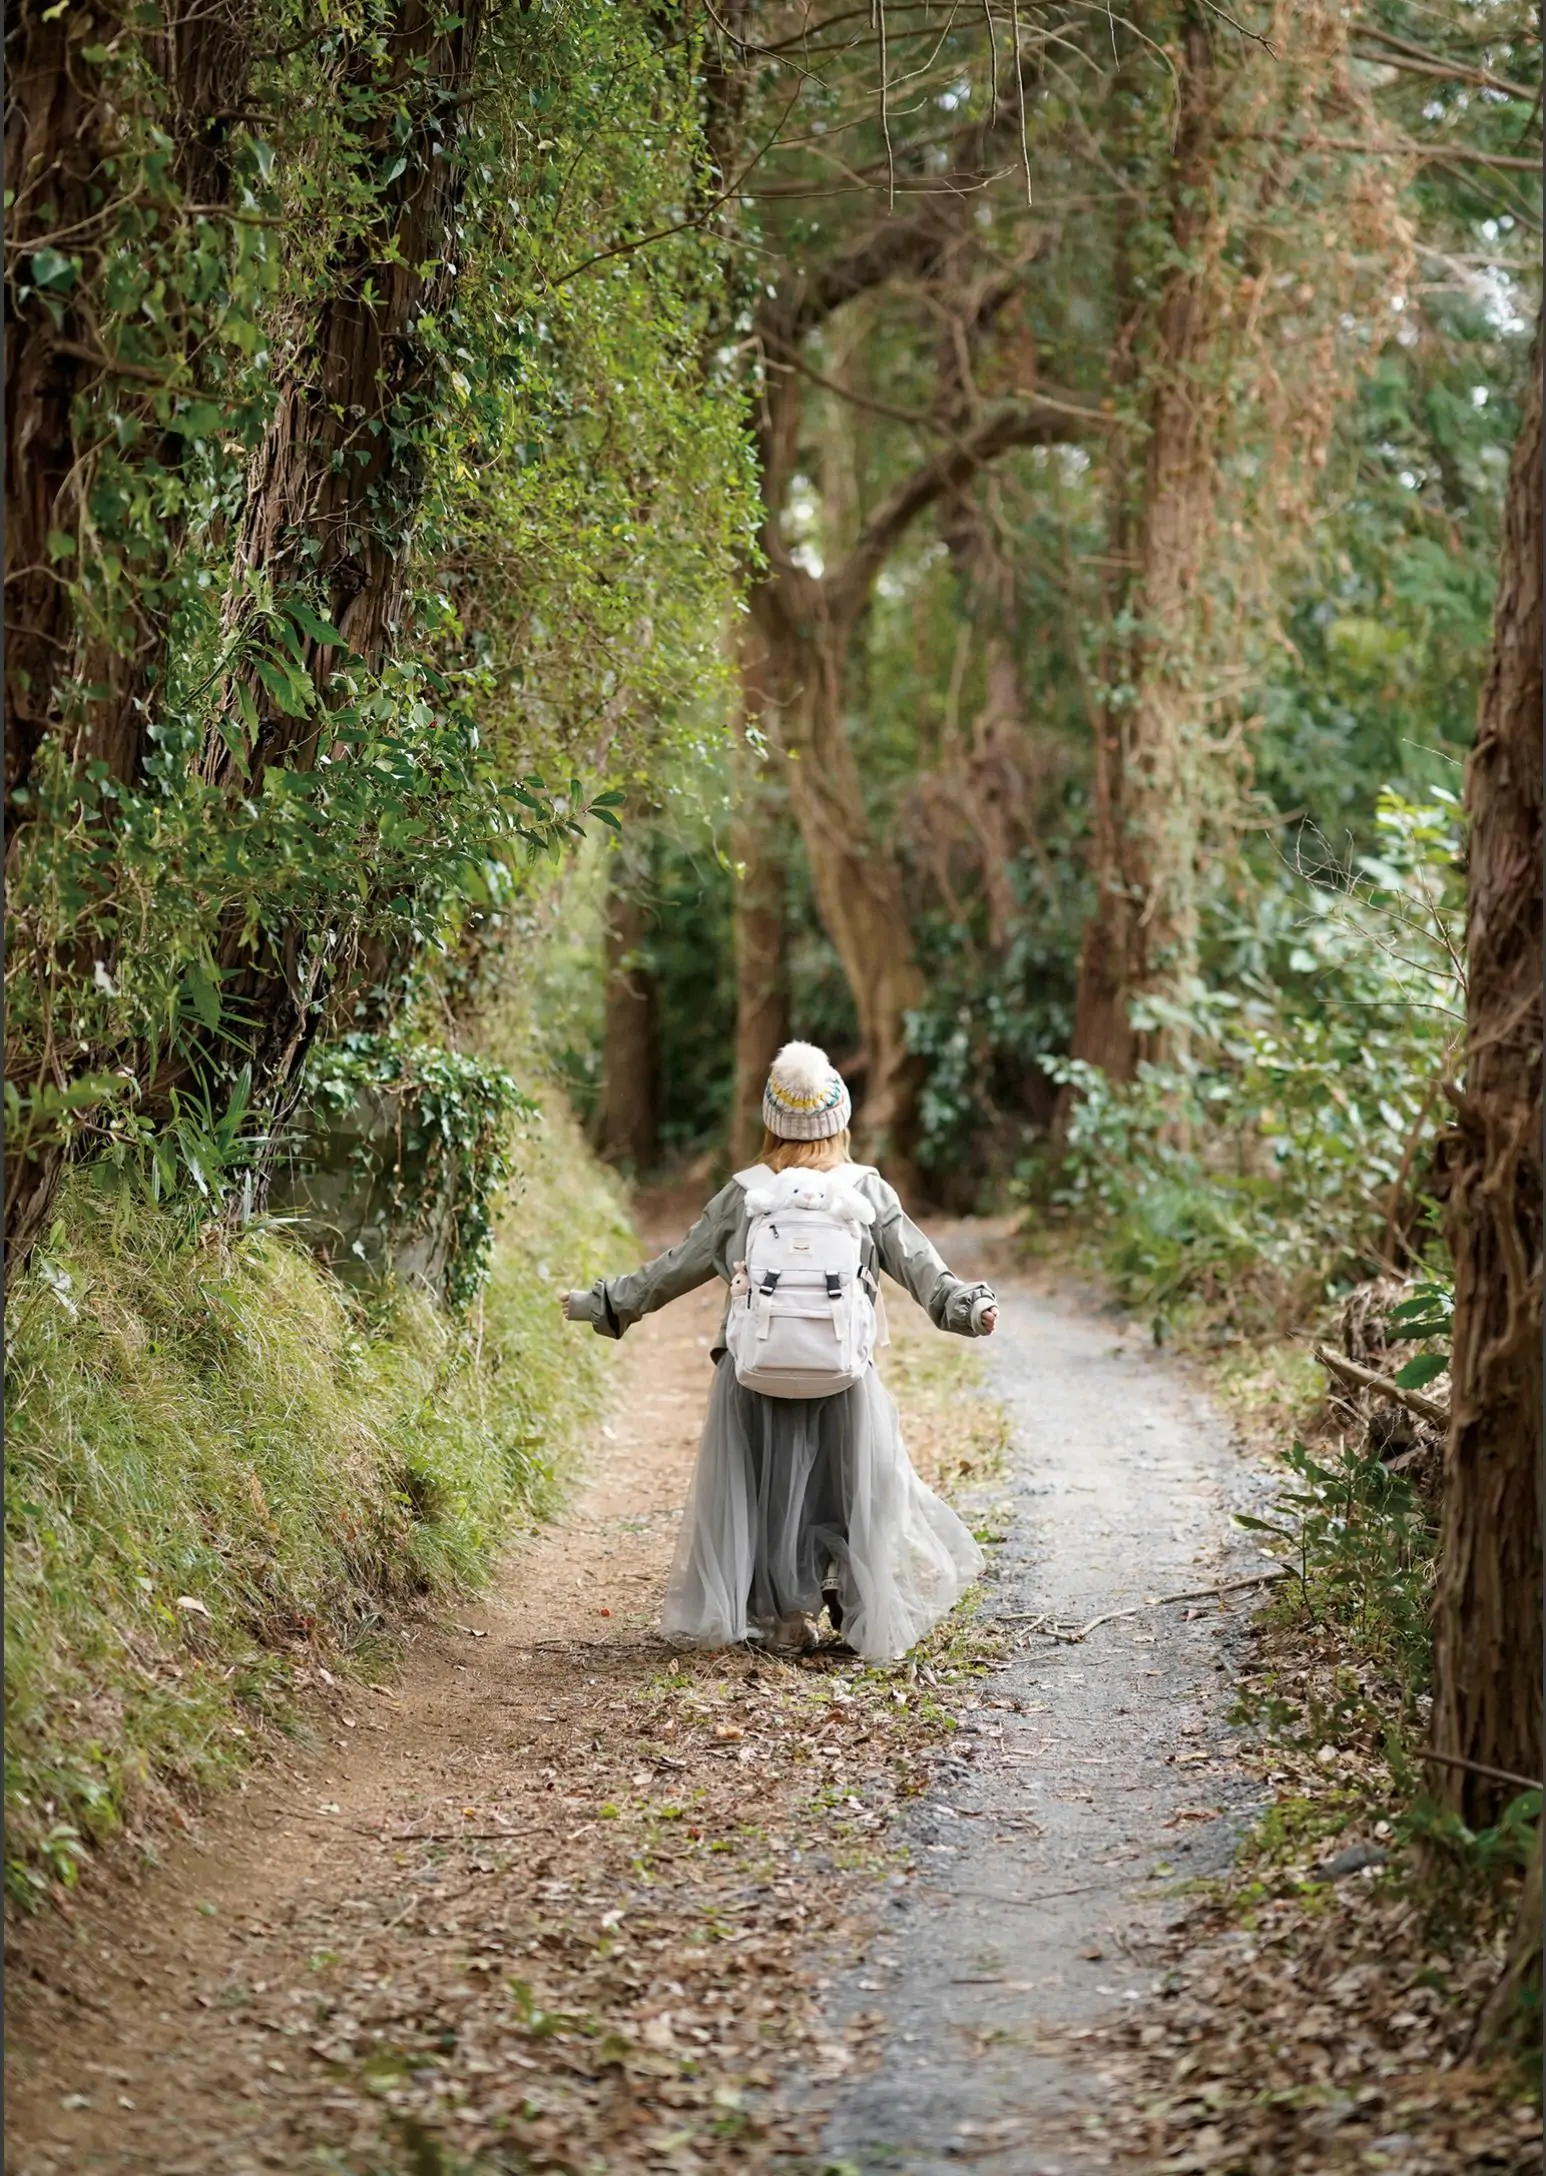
x: 1142, y: 937
x: 99, y: 428
x: 335, y: 488
x: 56, y: 124
x: 1487, y: 1644
x: 758, y: 848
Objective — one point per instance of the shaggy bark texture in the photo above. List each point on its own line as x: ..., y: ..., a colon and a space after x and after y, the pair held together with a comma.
x: 1143, y: 933
x: 1487, y: 1656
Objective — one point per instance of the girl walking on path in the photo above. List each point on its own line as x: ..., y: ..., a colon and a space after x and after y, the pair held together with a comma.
x: 803, y: 1493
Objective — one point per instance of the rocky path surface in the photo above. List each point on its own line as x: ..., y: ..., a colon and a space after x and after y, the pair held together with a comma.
x: 1093, y: 1780
x: 564, y: 1900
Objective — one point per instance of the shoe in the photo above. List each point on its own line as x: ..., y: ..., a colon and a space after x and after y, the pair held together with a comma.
x: 796, y: 1631
x: 834, y: 1607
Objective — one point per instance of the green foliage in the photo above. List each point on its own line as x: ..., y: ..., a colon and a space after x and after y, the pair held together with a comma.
x: 1484, y: 1853
x: 690, y: 953
x: 579, y: 493
x: 450, y: 1158
x: 1430, y: 1315
x: 221, y: 1467
x: 997, y: 1014
x: 1389, y: 617
x: 1365, y: 1549
x: 1279, y: 1159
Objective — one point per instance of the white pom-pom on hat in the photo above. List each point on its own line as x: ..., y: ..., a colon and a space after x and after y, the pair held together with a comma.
x: 806, y: 1098
x: 802, y: 1070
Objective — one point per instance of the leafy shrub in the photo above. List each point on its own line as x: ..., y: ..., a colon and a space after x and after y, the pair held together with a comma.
x: 1365, y: 1548
x: 432, y: 1154
x: 1277, y: 1157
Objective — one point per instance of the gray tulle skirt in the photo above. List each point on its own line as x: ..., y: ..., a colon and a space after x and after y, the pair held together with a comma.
x: 794, y: 1495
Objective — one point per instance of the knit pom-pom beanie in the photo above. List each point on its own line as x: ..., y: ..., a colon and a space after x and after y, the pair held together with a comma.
x: 806, y: 1098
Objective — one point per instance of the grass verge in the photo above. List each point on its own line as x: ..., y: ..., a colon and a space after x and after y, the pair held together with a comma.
x: 223, y: 1468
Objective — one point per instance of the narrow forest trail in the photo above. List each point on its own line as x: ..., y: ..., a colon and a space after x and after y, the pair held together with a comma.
x: 1093, y: 1781
x: 563, y: 1890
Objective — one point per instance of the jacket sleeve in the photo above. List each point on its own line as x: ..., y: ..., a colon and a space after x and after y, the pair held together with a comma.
x: 615, y: 1304
x: 917, y: 1265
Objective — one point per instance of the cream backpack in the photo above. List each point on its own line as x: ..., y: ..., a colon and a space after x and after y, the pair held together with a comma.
x: 802, y: 1321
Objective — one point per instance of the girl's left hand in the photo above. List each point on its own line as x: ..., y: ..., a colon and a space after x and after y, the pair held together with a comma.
x: 989, y: 1322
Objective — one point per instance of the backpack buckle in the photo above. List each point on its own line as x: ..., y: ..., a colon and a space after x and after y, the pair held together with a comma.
x: 834, y: 1285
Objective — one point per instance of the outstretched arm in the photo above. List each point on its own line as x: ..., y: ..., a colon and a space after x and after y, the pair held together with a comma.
x: 615, y: 1304
x: 906, y: 1254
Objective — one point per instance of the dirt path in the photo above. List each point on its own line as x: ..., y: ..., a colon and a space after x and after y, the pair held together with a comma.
x: 1092, y: 1779
x: 565, y: 1893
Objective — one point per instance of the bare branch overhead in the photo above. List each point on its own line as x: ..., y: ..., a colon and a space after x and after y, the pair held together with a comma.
x: 1039, y: 422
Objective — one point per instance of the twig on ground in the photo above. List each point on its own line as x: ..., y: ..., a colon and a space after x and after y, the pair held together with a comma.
x: 1383, y: 1386
x: 445, y: 1835
x: 1043, y: 1896
x: 1038, y: 1621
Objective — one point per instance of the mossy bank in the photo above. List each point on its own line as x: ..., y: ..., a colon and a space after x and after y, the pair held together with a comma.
x: 222, y: 1468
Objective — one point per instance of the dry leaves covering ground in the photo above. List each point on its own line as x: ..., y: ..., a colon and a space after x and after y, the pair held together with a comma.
x: 1314, y: 2027
x: 1318, y: 2035
x: 563, y: 1902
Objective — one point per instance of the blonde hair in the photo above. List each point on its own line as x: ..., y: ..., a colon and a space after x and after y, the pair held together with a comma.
x: 825, y: 1155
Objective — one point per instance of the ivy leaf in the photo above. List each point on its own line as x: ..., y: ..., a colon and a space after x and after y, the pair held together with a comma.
x: 53, y: 271
x: 199, y: 419
x: 1421, y: 1370
x: 312, y: 623
x: 282, y: 686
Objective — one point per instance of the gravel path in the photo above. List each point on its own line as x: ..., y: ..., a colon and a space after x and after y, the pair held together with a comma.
x: 1091, y: 1780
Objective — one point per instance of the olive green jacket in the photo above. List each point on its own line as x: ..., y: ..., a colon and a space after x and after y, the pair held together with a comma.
x: 717, y: 1242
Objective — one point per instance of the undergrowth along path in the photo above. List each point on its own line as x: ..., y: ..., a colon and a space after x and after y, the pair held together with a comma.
x: 563, y: 1891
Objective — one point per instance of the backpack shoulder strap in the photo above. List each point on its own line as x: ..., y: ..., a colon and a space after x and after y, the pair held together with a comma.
x: 753, y: 1175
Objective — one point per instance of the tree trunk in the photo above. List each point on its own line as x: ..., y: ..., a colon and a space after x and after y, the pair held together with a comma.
x: 57, y: 128
x: 627, y: 1126
x: 336, y: 487
x: 757, y: 845
x: 856, y: 879
x: 1487, y: 1644
x: 60, y: 127
x: 1142, y: 937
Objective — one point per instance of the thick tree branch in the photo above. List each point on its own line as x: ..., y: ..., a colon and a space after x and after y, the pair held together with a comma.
x: 893, y: 247
x: 1039, y: 422
x: 1421, y: 60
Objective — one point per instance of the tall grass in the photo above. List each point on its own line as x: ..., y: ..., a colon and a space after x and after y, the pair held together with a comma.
x: 221, y: 1465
